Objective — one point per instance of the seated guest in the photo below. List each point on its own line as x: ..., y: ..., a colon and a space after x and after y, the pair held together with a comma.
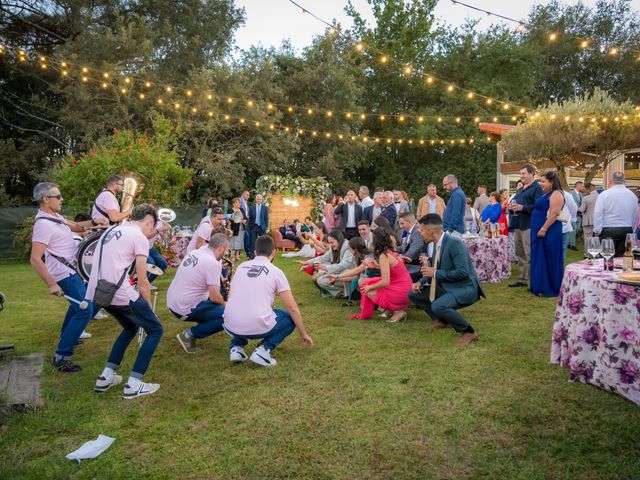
x: 288, y: 232
x: 450, y: 284
x: 360, y: 252
x: 249, y: 313
x: 336, y: 260
x: 207, y: 225
x: 307, y: 226
x: 412, y: 242
x: 364, y: 230
x: 194, y: 294
x: 491, y: 212
x: 388, y: 291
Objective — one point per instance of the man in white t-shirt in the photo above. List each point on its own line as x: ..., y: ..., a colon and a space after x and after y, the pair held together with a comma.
x: 118, y: 248
x: 53, y: 239
x: 249, y: 313
x: 106, y: 206
x: 208, y: 225
x: 194, y: 294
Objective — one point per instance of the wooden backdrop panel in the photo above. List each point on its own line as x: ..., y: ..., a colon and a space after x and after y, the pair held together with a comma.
x: 288, y: 207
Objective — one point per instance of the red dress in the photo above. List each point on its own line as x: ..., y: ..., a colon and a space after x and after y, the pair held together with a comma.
x: 502, y: 221
x: 394, y: 296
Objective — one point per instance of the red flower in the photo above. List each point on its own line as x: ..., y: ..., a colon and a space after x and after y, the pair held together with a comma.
x: 91, y: 155
x: 121, y: 152
x: 116, y: 131
x: 74, y: 162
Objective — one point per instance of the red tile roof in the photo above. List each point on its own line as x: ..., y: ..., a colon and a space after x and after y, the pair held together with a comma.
x: 495, y: 128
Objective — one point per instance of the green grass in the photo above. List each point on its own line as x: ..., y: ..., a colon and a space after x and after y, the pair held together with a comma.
x: 371, y: 400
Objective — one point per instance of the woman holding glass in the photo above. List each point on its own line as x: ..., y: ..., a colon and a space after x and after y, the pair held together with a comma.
x: 546, y: 238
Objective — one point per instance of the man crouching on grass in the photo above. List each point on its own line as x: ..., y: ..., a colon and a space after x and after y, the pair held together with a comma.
x: 249, y: 313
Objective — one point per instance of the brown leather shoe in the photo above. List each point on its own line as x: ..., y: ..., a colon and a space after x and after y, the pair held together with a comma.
x: 440, y: 326
x: 466, y: 338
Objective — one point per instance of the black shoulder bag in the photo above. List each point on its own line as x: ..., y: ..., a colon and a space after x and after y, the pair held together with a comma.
x: 105, y: 290
x: 62, y: 260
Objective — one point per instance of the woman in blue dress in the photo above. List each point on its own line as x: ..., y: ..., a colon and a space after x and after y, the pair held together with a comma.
x: 546, y: 238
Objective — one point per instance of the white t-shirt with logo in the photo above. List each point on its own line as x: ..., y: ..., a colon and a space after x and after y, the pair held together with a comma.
x: 254, y: 287
x: 121, y: 246
x: 198, y: 271
x: 58, y: 238
x: 203, y: 231
x: 152, y: 240
x: 106, y: 200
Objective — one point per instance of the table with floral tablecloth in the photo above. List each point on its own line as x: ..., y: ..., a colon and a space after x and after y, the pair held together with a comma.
x: 180, y: 247
x: 596, y: 333
x: 490, y: 257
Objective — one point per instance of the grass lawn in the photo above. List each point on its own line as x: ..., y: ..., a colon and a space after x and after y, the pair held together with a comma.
x: 371, y: 400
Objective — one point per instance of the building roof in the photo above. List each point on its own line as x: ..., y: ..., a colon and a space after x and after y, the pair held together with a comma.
x: 497, y: 129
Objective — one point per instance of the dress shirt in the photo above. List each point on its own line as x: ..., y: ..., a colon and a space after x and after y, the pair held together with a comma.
x: 376, y: 211
x: 430, y: 247
x: 433, y: 204
x: 366, y: 202
x: 351, y: 216
x: 258, y: 215
x: 615, y: 207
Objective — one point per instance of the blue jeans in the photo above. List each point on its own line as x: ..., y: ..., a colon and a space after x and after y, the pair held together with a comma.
x: 76, y: 319
x: 572, y: 235
x: 245, y: 239
x: 155, y: 258
x: 270, y: 340
x: 131, y: 317
x: 566, y: 237
x: 207, y: 315
x: 354, y: 291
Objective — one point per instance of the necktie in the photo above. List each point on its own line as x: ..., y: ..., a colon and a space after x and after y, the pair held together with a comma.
x: 432, y: 287
x: 258, y: 215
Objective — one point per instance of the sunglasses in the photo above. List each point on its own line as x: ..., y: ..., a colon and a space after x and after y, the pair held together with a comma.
x: 58, y: 196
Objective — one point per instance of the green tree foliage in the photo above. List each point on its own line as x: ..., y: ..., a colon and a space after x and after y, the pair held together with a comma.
x: 150, y: 158
x: 548, y: 135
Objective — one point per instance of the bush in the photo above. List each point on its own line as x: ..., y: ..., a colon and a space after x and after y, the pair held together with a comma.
x: 22, y: 239
x: 151, y: 159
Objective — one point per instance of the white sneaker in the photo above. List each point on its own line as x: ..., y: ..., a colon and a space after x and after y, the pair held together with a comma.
x: 262, y: 357
x: 102, y: 384
x: 237, y: 354
x: 142, y: 390
x: 100, y: 315
x: 85, y: 335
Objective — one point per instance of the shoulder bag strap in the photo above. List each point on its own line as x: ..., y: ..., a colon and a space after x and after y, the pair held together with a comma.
x: 62, y: 260
x: 102, y: 239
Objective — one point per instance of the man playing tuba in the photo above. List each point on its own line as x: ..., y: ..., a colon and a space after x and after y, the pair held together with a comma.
x: 106, y: 205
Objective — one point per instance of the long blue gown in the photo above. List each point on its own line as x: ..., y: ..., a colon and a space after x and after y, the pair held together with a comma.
x: 546, y: 252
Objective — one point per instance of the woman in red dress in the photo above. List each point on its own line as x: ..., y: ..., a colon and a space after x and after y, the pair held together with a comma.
x: 389, y: 291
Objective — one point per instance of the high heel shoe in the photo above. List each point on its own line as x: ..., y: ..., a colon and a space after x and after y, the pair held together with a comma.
x: 384, y: 314
x: 402, y: 316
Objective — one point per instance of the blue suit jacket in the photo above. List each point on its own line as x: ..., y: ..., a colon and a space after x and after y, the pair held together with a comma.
x: 391, y: 214
x: 264, y: 217
x: 414, y: 247
x: 455, y: 273
x: 453, y: 218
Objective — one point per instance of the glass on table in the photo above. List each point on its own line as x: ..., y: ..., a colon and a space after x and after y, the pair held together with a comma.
x: 608, y: 251
x: 594, y: 248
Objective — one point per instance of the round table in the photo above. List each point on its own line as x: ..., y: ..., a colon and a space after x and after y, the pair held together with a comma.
x: 596, y: 333
x: 490, y: 257
x: 180, y: 247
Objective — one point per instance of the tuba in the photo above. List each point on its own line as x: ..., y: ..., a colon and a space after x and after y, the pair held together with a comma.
x: 128, y: 193
x: 167, y: 216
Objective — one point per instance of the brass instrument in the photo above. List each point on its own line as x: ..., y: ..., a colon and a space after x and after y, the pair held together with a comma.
x: 225, y: 280
x: 167, y: 216
x: 128, y: 193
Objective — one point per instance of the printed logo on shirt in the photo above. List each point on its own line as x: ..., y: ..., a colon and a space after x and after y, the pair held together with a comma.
x: 256, y: 270
x: 113, y: 233
x: 190, y: 261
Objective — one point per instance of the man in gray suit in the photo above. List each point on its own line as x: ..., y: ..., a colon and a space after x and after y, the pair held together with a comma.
x: 587, y: 208
x: 450, y: 284
x: 412, y: 243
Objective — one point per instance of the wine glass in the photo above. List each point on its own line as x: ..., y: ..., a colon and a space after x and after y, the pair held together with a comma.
x: 467, y: 226
x: 594, y: 248
x: 608, y: 249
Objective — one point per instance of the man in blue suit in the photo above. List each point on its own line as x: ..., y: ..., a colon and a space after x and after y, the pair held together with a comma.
x: 453, y: 218
x: 450, y: 284
x: 412, y: 243
x: 389, y: 209
x: 258, y: 223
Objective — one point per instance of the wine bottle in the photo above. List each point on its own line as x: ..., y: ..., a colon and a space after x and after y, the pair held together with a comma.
x: 627, y: 259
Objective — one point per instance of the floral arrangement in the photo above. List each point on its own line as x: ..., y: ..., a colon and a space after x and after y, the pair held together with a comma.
x: 316, y: 188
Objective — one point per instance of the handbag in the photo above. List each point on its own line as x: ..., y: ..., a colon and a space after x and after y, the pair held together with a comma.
x: 105, y: 290
x: 563, y: 217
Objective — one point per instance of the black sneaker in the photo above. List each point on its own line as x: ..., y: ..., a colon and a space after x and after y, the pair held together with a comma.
x: 66, y: 366
x: 517, y: 284
x: 189, y: 344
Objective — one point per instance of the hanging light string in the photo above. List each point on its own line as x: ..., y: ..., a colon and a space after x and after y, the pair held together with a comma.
x: 309, y: 110
x: 409, y: 70
x: 583, y: 43
x: 126, y: 89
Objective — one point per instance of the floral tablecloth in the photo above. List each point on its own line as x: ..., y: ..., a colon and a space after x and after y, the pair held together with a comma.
x: 490, y: 257
x: 596, y: 333
x: 180, y: 247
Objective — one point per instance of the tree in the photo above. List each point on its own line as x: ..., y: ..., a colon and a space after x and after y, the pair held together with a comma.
x: 559, y: 132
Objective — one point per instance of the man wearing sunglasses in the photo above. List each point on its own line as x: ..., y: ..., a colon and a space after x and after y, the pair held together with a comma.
x: 106, y: 206
x: 53, y: 240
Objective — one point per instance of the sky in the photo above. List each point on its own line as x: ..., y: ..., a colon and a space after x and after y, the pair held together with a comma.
x: 269, y: 22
